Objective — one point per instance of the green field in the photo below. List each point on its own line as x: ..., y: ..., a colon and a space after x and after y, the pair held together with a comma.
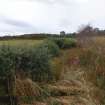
x: 21, y: 42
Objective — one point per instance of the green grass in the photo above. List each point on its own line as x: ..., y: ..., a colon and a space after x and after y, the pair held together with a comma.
x: 20, y: 42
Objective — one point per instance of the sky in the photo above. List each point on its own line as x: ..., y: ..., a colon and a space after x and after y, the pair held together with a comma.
x: 49, y: 16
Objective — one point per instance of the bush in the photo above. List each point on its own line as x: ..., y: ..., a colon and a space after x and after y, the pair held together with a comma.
x: 52, y: 47
x: 40, y: 64
x: 65, y: 42
x: 34, y: 61
x: 6, y: 61
x: 59, y: 41
x: 69, y: 42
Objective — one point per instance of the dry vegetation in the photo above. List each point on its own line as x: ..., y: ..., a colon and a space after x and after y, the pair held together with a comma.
x: 77, y: 73
x: 79, y: 78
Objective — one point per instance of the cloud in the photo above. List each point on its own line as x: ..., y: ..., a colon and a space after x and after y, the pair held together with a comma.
x: 11, y: 26
x: 24, y: 16
x: 60, y: 2
x: 16, y: 23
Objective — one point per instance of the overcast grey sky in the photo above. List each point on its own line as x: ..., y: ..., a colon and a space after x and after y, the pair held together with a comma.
x: 49, y: 16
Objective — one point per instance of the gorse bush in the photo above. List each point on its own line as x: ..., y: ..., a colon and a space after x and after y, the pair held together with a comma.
x: 40, y: 64
x: 34, y: 61
x: 6, y: 61
x: 52, y: 47
x: 65, y: 42
x: 59, y: 42
x: 69, y: 42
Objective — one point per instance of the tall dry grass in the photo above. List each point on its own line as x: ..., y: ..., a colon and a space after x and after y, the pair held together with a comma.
x: 27, y: 91
x: 92, y: 61
x: 87, y: 62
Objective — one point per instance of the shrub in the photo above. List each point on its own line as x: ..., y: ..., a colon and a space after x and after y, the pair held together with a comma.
x: 34, y: 61
x: 65, y: 42
x: 7, y: 66
x: 6, y: 61
x: 59, y: 42
x: 40, y: 64
x: 52, y: 47
x: 69, y: 42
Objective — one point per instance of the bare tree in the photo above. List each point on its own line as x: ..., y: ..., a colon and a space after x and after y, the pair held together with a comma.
x: 85, y: 30
x: 85, y: 34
